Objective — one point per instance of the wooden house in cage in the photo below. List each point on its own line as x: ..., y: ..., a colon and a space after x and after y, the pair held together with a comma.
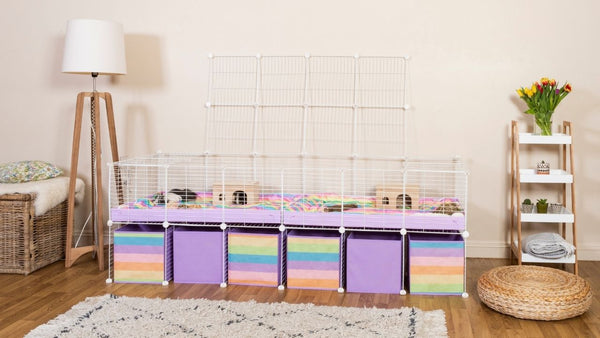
x: 235, y: 193
x: 397, y: 196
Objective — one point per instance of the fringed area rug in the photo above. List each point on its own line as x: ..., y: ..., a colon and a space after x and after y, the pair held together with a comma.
x: 115, y: 316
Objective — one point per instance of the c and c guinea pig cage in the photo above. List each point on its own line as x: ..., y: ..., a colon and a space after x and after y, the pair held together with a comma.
x: 304, y: 144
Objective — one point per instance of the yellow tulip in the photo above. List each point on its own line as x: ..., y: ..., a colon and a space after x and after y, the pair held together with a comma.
x: 528, y: 92
x: 520, y: 92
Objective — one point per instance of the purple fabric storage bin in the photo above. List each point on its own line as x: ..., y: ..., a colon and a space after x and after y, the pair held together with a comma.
x: 374, y: 262
x: 198, y: 255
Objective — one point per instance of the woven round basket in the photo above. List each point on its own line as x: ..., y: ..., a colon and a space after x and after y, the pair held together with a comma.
x: 534, y: 292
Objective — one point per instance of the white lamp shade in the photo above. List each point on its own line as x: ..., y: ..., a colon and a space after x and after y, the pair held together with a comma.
x: 94, y: 46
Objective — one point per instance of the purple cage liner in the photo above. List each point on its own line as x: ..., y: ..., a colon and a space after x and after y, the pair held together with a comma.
x: 168, y: 246
x: 374, y: 262
x: 198, y: 255
x: 324, y: 219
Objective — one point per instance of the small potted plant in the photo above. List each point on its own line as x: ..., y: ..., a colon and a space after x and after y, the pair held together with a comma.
x: 543, y: 168
x: 527, y: 206
x: 542, y: 206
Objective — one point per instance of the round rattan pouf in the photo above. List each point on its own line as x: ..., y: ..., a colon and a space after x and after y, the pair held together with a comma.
x: 534, y: 292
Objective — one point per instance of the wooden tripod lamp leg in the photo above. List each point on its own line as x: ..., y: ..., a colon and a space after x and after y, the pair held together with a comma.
x: 72, y: 254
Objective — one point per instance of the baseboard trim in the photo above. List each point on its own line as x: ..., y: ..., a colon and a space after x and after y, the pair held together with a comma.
x: 495, y: 249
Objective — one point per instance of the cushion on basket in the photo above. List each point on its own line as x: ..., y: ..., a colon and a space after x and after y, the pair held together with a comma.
x: 49, y: 193
x: 26, y: 171
x: 534, y: 292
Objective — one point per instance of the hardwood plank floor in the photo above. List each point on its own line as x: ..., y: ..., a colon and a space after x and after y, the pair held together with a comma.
x: 28, y: 301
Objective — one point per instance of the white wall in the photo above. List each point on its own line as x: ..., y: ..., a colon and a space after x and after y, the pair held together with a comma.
x: 467, y: 58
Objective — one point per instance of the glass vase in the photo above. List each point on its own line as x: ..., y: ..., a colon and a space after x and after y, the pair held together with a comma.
x: 542, y: 126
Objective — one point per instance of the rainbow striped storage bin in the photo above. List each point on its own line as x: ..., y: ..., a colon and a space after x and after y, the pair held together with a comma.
x: 254, y: 257
x: 313, y: 260
x: 143, y: 254
x: 436, y: 264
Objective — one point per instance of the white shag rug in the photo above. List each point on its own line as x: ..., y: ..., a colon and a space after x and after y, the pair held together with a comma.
x: 116, y: 316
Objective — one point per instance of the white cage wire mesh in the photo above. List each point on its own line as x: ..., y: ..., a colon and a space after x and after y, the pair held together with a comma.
x: 201, y: 189
x: 301, y: 141
x: 333, y: 106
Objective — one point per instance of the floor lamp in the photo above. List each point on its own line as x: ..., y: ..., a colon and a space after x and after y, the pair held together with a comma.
x: 92, y: 47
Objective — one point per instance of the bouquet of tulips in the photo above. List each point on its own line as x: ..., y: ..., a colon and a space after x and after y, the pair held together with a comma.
x: 542, y: 98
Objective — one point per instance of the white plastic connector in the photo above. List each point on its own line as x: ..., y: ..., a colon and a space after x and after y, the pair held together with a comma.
x: 258, y: 56
x: 465, y: 234
x: 403, y: 232
x: 403, y: 292
x: 307, y: 55
x: 109, y: 281
x: 340, y: 290
x: 223, y: 226
x: 207, y: 104
x: 165, y: 224
x: 356, y: 56
x: 165, y: 283
x: 465, y: 295
x: 281, y: 288
x: 282, y: 228
x: 223, y: 285
x: 342, y: 230
x: 109, y: 223
x: 211, y: 55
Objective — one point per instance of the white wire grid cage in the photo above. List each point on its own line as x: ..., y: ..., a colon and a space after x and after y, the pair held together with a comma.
x: 298, y: 142
x: 246, y: 192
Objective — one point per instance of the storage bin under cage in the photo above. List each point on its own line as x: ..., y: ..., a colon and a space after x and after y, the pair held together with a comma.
x: 436, y: 264
x: 374, y: 262
x: 254, y: 257
x: 143, y: 254
x: 198, y: 255
x: 314, y: 260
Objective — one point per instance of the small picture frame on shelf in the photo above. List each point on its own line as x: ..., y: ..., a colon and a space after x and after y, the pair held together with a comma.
x: 543, y: 168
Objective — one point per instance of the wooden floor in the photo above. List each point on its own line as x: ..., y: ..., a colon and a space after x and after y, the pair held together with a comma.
x: 28, y: 301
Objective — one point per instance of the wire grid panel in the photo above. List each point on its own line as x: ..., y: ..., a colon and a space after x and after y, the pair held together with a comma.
x: 419, y: 196
x: 312, y: 105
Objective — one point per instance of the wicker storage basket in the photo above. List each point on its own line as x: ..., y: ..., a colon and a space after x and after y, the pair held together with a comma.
x: 29, y: 242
